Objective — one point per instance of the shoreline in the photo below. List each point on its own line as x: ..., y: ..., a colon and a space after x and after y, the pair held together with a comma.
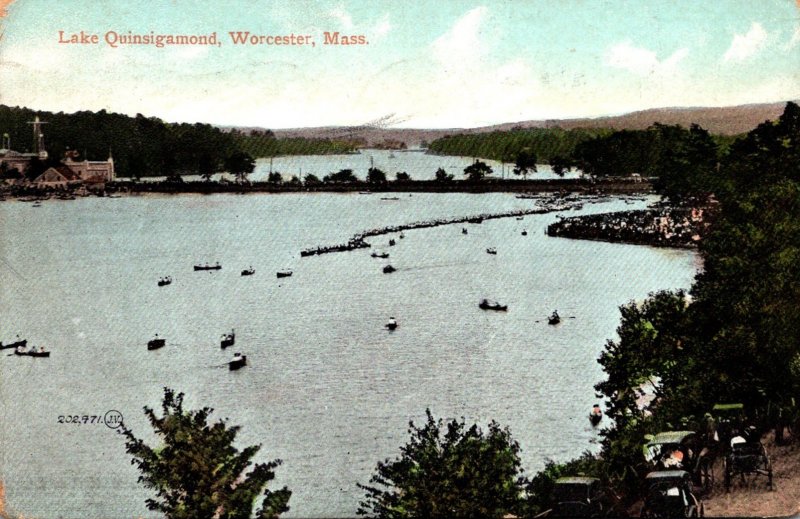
x: 621, y: 186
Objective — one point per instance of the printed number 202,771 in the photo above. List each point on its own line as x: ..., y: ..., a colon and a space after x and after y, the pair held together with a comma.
x: 77, y: 419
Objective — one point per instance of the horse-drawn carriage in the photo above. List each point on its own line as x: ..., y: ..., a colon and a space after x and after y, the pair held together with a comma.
x: 669, y: 494
x: 682, y: 450
x: 747, y: 459
x: 579, y: 496
x: 740, y: 445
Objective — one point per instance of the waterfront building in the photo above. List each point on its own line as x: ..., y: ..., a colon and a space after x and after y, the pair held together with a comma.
x: 93, y: 170
x: 58, y: 176
x: 90, y: 171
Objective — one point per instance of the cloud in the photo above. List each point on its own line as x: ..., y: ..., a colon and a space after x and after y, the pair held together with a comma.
x: 381, y: 28
x: 343, y: 17
x: 469, y: 84
x: 462, y: 43
x: 747, y: 45
x: 641, y: 61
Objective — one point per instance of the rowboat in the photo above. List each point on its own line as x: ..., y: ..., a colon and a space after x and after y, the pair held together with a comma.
x: 156, y: 342
x: 238, y: 361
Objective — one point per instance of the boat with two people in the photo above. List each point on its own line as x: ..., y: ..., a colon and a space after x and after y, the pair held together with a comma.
x: 488, y: 304
x: 392, y: 242
x: 388, y: 269
x: 16, y: 344
x: 215, y: 266
x: 554, y: 318
x: 156, y: 342
x: 238, y: 361
x: 32, y: 352
x: 166, y: 280
x: 596, y: 414
x: 524, y: 232
x: 491, y: 250
x: 392, y: 324
x: 249, y: 271
x: 228, y: 339
x: 285, y: 273
x: 464, y: 230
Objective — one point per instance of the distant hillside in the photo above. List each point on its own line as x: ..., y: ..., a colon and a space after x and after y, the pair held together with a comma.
x: 729, y: 120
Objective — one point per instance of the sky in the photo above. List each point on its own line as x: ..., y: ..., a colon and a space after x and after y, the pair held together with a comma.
x: 425, y: 64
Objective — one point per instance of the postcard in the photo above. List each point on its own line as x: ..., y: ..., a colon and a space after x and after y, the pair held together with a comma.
x: 329, y: 258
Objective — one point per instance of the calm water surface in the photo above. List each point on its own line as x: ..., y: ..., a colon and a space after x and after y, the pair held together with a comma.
x: 328, y: 390
x: 418, y: 164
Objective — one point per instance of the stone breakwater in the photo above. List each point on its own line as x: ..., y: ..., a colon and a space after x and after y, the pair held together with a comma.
x: 664, y: 227
x: 358, y: 240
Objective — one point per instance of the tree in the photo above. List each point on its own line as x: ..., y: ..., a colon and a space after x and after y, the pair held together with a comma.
x: 688, y: 165
x: 443, y: 176
x: 311, y: 180
x: 197, y: 472
x: 477, y: 170
x: 343, y: 175
x: 275, y: 177
x: 402, y: 176
x: 240, y: 164
x: 376, y: 176
x: 560, y: 165
x: 448, y: 472
x: 526, y: 161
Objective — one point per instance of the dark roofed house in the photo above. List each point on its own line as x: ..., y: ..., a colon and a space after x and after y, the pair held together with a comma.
x: 58, y: 176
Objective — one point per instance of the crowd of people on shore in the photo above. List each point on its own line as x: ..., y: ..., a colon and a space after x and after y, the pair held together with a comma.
x: 664, y: 227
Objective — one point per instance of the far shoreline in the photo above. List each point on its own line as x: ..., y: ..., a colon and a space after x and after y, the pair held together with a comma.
x: 615, y: 185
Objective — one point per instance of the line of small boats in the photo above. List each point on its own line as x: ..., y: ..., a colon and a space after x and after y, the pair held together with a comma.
x: 167, y: 280
x: 228, y: 339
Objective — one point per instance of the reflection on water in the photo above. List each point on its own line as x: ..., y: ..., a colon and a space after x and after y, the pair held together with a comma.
x: 327, y: 388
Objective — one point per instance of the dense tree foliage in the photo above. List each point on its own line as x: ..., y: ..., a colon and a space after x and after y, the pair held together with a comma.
x: 402, y: 176
x: 524, y: 163
x: 265, y: 144
x: 240, y: 164
x: 746, y: 297
x: 737, y: 338
x: 343, y: 175
x: 196, y: 471
x: 504, y: 146
x: 147, y: 146
x: 476, y: 171
x: 448, y: 471
x: 443, y: 176
x: 376, y: 176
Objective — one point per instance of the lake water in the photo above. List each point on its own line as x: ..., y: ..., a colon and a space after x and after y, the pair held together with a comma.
x: 327, y: 388
x: 418, y: 164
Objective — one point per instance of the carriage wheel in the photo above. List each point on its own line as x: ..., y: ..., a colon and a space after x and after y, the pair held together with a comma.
x: 726, y: 467
x: 706, y: 475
